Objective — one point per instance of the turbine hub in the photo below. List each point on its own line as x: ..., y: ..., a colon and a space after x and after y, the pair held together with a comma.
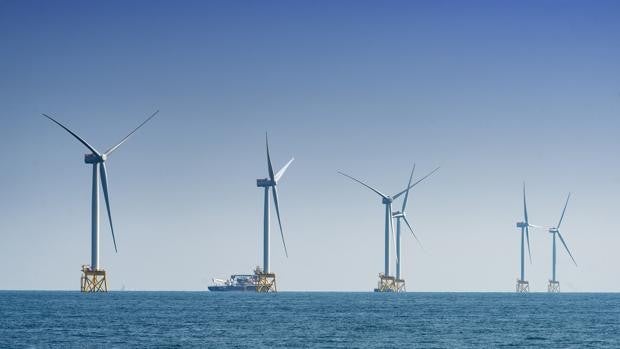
x: 387, y: 200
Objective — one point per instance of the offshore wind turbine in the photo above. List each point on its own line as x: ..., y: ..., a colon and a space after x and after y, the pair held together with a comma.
x: 387, y: 282
x: 266, y: 279
x: 402, y: 215
x: 94, y: 278
x: 522, y: 284
x: 554, y: 285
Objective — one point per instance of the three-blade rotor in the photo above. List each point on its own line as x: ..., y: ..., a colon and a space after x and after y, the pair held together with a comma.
x: 274, y: 178
x: 389, y: 199
x: 394, y: 197
x: 557, y: 230
x: 527, y: 224
x: 100, y: 161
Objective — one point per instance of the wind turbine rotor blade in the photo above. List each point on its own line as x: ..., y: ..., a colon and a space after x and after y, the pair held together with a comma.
x: 411, y: 230
x: 408, y: 187
x: 527, y: 237
x: 275, y: 201
x: 269, y: 166
x: 414, y: 184
x: 524, y: 205
x: 282, y: 170
x: 74, y: 135
x: 566, y: 247
x: 109, y: 151
x: 393, y: 237
x: 104, y: 184
x: 563, y: 211
x: 364, y: 184
x: 527, y: 225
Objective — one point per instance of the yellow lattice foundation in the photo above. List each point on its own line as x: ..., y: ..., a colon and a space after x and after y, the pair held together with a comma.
x: 553, y: 287
x: 386, y: 284
x: 266, y: 282
x: 400, y: 285
x: 522, y: 286
x: 93, y: 280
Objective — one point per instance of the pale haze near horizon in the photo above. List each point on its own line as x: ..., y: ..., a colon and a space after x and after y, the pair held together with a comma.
x: 495, y: 94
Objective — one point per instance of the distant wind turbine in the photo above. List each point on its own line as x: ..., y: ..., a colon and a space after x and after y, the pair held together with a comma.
x: 387, y: 201
x: 403, y: 215
x: 522, y: 284
x: 554, y: 285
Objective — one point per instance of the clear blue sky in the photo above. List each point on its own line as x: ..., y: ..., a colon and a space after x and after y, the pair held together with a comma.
x: 495, y: 92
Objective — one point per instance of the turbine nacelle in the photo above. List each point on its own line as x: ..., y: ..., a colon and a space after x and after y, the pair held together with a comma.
x: 522, y: 225
x: 265, y: 182
x: 94, y: 158
x: 387, y: 200
x: 553, y: 230
x: 398, y: 214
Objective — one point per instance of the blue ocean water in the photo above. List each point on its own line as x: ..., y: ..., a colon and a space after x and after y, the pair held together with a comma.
x: 308, y: 319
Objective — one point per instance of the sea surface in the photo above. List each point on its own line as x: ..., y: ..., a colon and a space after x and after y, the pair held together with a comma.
x: 308, y: 319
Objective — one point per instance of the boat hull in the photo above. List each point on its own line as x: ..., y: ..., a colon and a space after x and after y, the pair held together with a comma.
x: 226, y: 288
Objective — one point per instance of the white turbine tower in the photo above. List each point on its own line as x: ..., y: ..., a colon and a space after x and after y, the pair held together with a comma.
x: 522, y: 284
x: 266, y: 281
x: 402, y: 215
x: 94, y: 278
x: 554, y: 285
x: 387, y: 282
